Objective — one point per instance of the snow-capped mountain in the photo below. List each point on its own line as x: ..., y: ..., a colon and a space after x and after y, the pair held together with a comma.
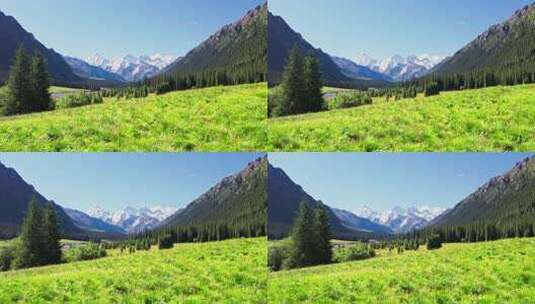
x: 359, y: 223
x: 402, y: 220
x: 400, y: 68
x: 353, y: 70
x: 133, y: 68
x: 86, y: 70
x: 132, y: 219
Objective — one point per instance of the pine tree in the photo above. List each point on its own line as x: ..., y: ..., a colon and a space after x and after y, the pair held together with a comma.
x: 51, y: 241
x: 313, y: 86
x: 40, y: 84
x: 19, y: 85
x: 293, y: 84
x: 323, y: 237
x: 303, y: 238
x: 29, y: 251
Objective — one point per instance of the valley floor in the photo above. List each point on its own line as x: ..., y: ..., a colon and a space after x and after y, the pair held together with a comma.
x: 491, y: 119
x: 493, y: 272
x: 232, y: 271
x: 220, y: 119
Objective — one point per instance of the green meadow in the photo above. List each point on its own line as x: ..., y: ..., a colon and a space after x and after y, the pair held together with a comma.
x: 490, y: 119
x: 492, y: 272
x: 231, y: 118
x: 232, y: 271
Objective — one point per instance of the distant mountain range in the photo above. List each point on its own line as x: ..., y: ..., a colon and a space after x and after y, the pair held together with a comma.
x: 85, y: 70
x: 400, y: 68
x: 86, y: 222
x: 402, y: 220
x: 133, y: 220
x: 12, y: 35
x: 132, y: 68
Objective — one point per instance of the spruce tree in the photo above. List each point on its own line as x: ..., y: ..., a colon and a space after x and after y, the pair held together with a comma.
x: 303, y: 236
x: 323, y: 237
x: 29, y: 251
x: 313, y: 86
x: 40, y: 84
x: 20, y: 89
x: 293, y: 84
x: 51, y: 240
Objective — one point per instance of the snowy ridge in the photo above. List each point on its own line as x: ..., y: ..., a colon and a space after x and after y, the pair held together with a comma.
x: 402, y: 220
x: 401, y: 68
x: 133, y: 68
x: 132, y: 219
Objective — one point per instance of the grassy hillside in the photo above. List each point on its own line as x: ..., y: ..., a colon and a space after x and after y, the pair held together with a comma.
x: 231, y: 271
x: 493, y: 272
x: 492, y: 119
x: 214, y: 119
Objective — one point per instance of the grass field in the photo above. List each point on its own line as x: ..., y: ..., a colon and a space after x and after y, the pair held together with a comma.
x: 491, y: 119
x: 214, y: 119
x: 63, y: 90
x: 231, y: 271
x: 494, y: 272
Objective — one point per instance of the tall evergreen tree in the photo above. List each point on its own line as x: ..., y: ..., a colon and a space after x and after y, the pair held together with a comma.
x: 293, y: 84
x: 29, y: 251
x: 51, y: 240
x: 323, y: 237
x: 313, y: 86
x: 40, y: 84
x: 303, y: 252
x: 19, y: 84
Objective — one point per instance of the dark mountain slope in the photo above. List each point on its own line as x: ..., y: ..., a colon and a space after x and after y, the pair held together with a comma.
x: 238, y: 48
x: 238, y: 201
x: 12, y: 35
x: 15, y: 195
x: 506, y: 46
x: 282, y: 38
x: 505, y: 199
x: 284, y: 198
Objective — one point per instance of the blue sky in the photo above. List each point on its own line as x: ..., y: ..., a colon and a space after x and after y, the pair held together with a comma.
x: 116, y: 180
x: 115, y: 28
x: 384, y: 28
x: 385, y: 180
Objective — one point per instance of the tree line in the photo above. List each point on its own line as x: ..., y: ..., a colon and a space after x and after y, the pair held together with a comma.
x: 27, y: 84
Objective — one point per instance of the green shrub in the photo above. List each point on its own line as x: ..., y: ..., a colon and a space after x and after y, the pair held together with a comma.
x: 165, y: 242
x: 277, y: 254
x: 357, y: 251
x: 7, y: 255
x: 349, y: 100
x: 432, y: 89
x: 434, y: 242
x: 90, y: 251
x: 276, y: 102
x: 78, y: 100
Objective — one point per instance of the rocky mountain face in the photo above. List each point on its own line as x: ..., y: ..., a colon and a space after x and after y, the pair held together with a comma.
x: 237, y: 47
x: 238, y: 201
x: 401, y: 68
x: 133, y: 220
x: 12, y: 35
x: 132, y: 68
x: 505, y: 46
x: 15, y: 196
x: 506, y: 198
x: 402, y: 220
